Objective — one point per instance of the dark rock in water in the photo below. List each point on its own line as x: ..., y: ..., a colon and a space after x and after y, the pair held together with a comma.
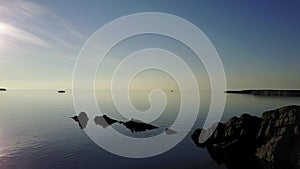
x: 172, y: 91
x: 133, y: 125
x: 169, y: 131
x: 272, y: 141
x: 137, y: 126
x: 3, y: 89
x: 282, y: 93
x: 82, y: 119
x: 104, y: 121
x: 61, y: 91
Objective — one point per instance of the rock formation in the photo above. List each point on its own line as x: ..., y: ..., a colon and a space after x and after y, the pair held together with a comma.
x: 82, y: 119
x: 272, y: 141
x: 135, y: 125
x: 104, y: 121
x: 169, y: 131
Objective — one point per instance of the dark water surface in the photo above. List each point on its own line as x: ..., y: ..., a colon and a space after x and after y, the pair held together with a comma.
x: 36, y: 131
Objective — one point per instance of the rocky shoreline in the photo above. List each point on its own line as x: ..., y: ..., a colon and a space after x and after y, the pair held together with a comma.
x: 282, y: 93
x: 269, y: 141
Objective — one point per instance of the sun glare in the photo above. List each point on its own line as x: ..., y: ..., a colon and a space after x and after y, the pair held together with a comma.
x: 3, y: 27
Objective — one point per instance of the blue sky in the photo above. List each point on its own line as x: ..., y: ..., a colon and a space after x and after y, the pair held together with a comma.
x: 258, y: 42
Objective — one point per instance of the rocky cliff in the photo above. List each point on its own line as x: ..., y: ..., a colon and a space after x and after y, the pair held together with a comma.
x: 271, y: 141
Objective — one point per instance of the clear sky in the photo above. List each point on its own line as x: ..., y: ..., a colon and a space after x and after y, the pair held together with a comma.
x: 258, y: 42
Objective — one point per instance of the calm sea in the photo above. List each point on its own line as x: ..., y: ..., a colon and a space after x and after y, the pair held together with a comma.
x: 36, y: 131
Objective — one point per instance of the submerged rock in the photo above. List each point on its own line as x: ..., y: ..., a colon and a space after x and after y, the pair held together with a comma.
x: 104, y: 121
x: 137, y: 126
x: 82, y: 119
x: 270, y: 141
x: 169, y: 131
x: 133, y: 125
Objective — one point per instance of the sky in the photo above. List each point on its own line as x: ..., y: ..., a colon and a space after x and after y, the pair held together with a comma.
x: 258, y: 42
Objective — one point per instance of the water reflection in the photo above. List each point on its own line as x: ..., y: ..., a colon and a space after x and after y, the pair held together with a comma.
x: 237, y: 159
x: 35, y: 141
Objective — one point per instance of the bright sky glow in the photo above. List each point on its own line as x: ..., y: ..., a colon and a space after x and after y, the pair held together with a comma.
x: 258, y: 42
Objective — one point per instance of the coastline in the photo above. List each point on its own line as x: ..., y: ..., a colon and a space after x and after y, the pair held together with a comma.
x: 267, y: 92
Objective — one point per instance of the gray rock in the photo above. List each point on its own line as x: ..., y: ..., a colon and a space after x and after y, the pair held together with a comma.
x: 272, y: 138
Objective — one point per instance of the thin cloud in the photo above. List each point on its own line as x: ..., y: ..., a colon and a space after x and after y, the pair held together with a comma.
x: 29, y: 25
x: 13, y: 34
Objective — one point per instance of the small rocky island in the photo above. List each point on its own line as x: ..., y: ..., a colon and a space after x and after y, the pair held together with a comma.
x: 271, y: 141
x: 282, y: 93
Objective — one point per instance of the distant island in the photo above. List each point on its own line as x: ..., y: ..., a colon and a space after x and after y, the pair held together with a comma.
x: 266, y: 92
x: 3, y: 89
x: 61, y: 91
